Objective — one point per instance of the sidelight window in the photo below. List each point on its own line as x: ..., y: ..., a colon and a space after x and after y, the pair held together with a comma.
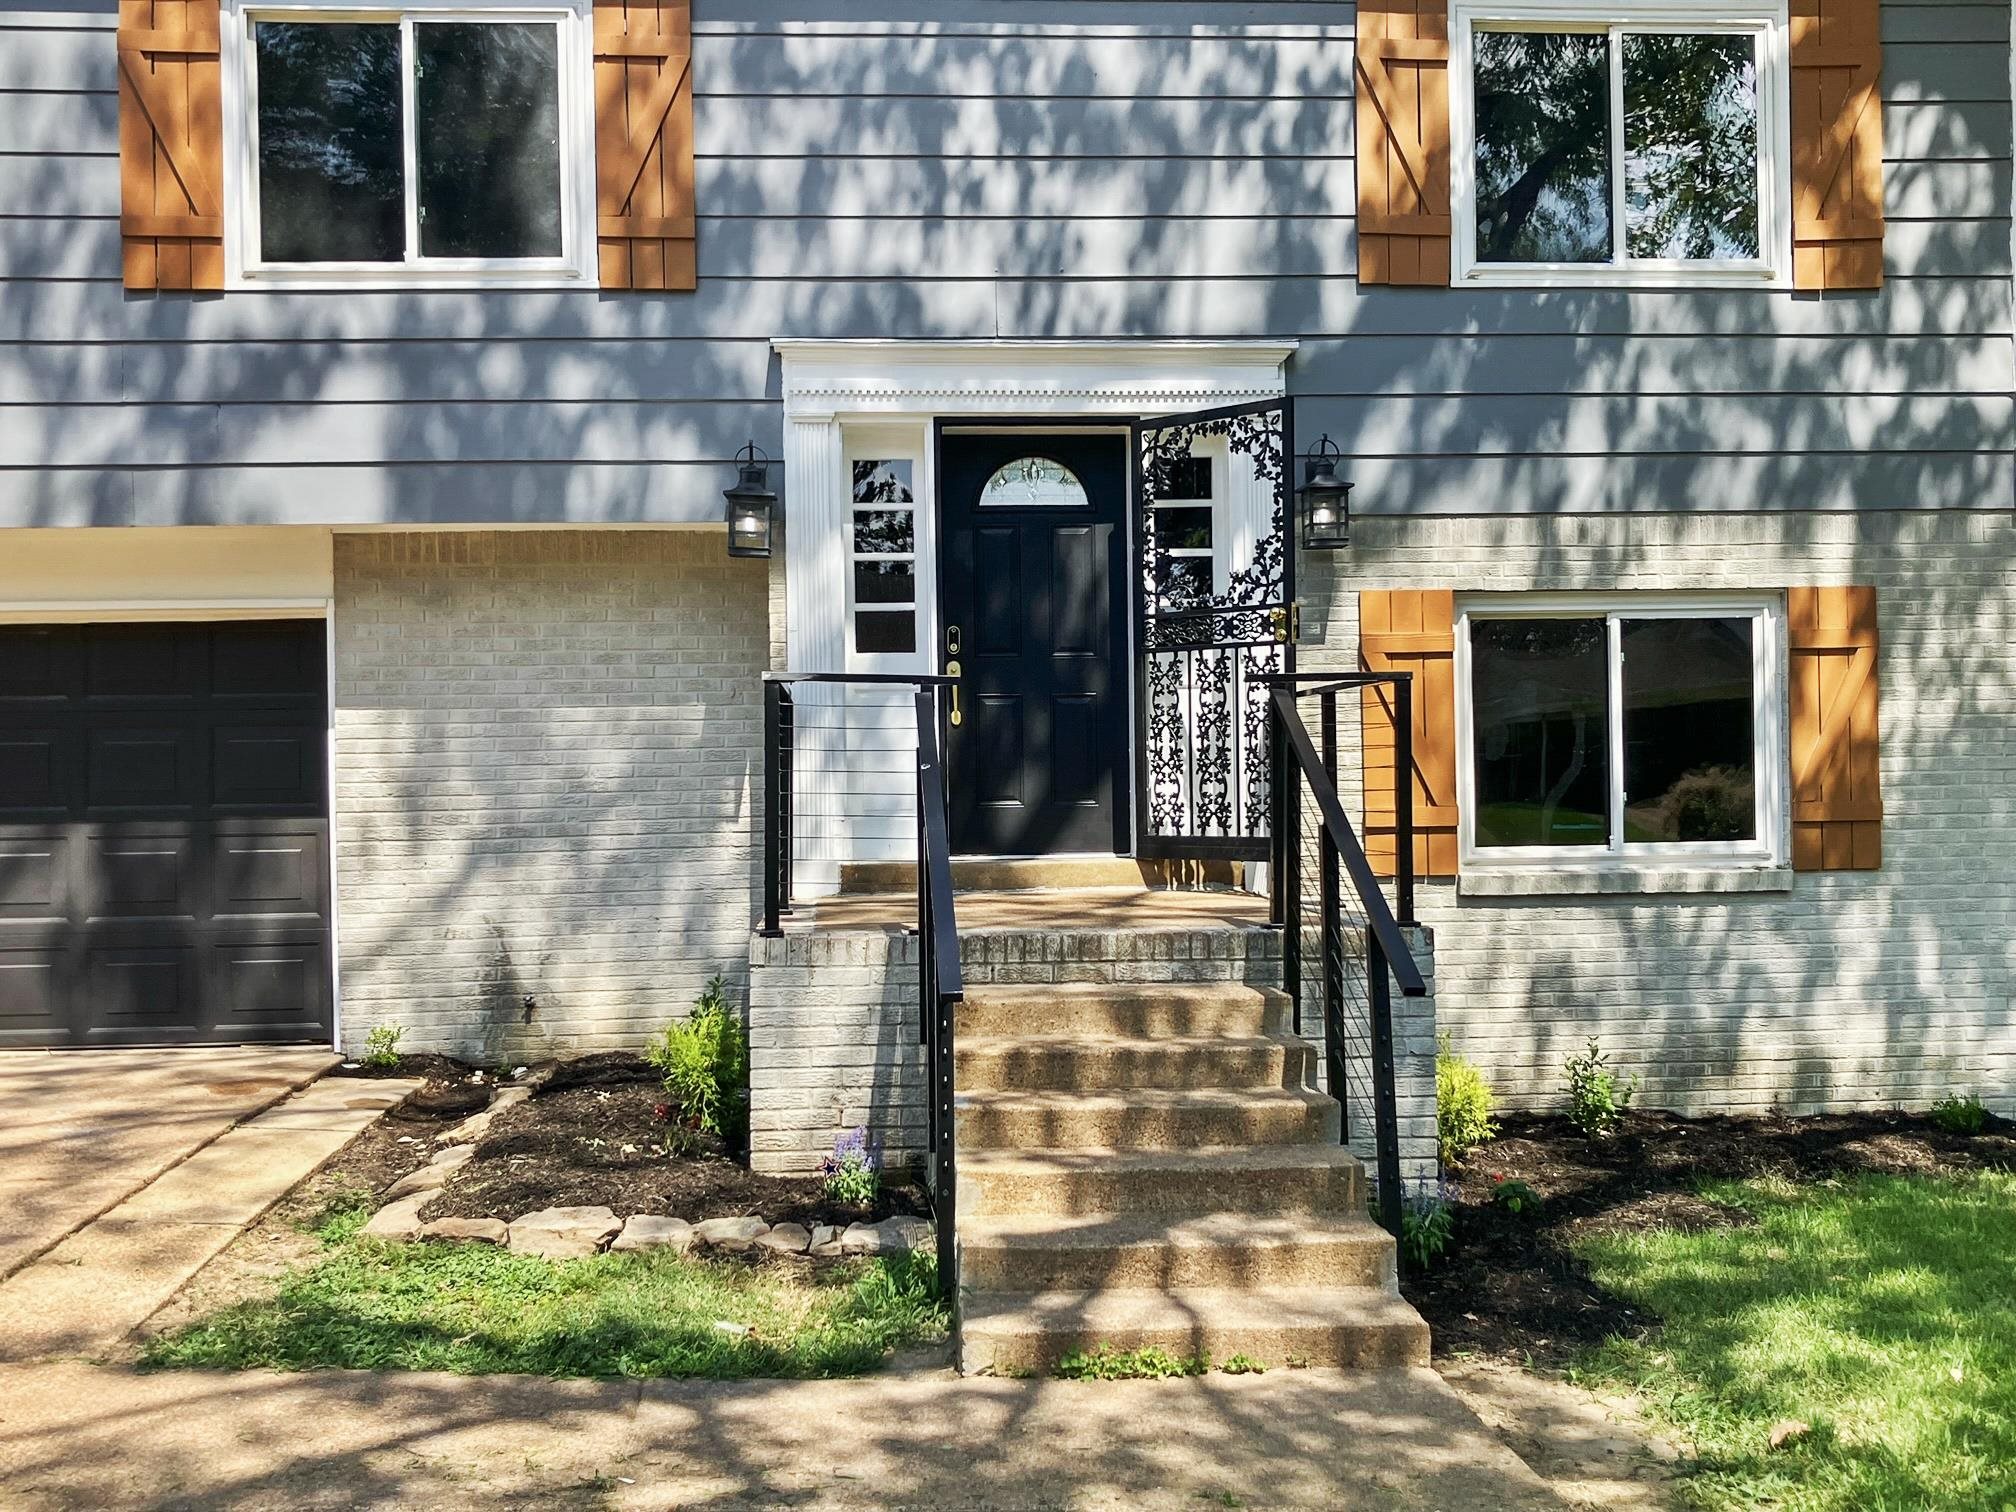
x: 883, y: 536
x: 414, y: 143
x: 1186, y: 532
x: 1631, y: 730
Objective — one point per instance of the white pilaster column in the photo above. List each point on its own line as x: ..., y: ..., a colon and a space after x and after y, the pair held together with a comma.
x: 815, y: 583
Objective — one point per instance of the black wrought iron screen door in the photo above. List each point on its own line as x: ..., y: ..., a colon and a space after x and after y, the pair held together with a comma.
x: 1214, y: 586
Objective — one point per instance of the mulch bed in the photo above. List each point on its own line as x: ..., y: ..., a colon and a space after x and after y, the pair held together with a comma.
x: 1512, y: 1289
x: 591, y: 1136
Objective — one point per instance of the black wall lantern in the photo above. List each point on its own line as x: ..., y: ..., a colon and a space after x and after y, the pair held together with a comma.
x: 1326, y: 500
x: 752, y: 505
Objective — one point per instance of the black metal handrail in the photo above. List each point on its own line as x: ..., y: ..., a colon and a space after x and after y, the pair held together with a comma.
x: 1387, y: 955
x: 940, y: 981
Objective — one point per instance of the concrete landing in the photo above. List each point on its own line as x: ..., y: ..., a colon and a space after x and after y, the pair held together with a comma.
x: 73, y: 1435
x: 97, y: 1285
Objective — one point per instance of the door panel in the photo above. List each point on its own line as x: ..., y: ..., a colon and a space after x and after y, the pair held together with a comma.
x: 163, y: 834
x: 1031, y: 578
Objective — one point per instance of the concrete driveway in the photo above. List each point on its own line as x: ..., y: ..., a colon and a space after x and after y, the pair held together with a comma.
x: 81, y: 1130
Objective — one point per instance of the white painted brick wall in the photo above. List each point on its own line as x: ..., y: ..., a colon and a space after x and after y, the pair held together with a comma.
x: 1851, y: 990
x: 548, y: 756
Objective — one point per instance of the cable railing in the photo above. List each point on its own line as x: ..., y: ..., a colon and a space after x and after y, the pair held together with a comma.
x: 1360, y: 947
x: 940, y: 983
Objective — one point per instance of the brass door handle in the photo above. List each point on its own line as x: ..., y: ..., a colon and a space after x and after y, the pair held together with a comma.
x: 952, y: 671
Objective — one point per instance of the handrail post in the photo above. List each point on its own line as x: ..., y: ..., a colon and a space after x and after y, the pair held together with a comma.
x: 775, y: 842
x: 1332, y: 932
x: 1403, y: 798
x: 1385, y: 1097
x: 1290, y: 781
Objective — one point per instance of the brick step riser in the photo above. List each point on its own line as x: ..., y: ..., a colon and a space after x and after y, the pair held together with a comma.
x: 1046, y: 1066
x: 1004, y: 1266
x: 1125, y: 1018
x: 1266, y: 1123
x: 1186, y: 1192
x: 1349, y: 1346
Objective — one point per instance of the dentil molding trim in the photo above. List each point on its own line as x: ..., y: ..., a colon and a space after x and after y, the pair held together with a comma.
x: 825, y: 379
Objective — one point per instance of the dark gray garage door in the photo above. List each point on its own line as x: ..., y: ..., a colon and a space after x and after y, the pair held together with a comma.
x: 164, y: 834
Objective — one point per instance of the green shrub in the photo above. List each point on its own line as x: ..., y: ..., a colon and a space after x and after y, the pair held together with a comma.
x: 1960, y: 1115
x: 1242, y: 1364
x: 1462, y: 1105
x: 1597, y: 1098
x: 1515, y: 1196
x: 1102, y: 1362
x: 1427, y: 1226
x: 704, y: 1059
x: 381, y: 1047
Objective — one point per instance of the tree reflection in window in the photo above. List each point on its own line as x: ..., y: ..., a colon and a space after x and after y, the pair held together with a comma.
x: 1546, y: 165
x: 1690, y: 145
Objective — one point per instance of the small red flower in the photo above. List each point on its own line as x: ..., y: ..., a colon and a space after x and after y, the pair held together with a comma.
x: 662, y: 1112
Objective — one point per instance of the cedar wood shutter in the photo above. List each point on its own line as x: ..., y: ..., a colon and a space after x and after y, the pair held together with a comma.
x: 171, y: 144
x: 1837, y: 803
x: 1837, y: 145
x: 644, y: 143
x: 1402, y: 85
x: 1404, y: 630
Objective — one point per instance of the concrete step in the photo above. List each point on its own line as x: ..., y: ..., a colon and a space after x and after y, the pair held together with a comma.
x: 1266, y: 1179
x: 1142, y: 1010
x: 1145, y: 1118
x: 1038, y: 1253
x: 1099, y: 1063
x: 1355, y: 1326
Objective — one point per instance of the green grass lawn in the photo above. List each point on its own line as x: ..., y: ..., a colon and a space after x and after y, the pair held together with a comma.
x: 475, y: 1309
x: 1881, y: 1310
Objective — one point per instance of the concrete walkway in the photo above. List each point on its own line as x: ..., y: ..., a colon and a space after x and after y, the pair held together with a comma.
x: 82, y: 1130
x: 91, y: 1289
x: 75, y: 1436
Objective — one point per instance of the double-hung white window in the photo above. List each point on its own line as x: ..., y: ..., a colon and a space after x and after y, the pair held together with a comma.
x: 1601, y: 141
x: 422, y: 143
x: 1607, y: 730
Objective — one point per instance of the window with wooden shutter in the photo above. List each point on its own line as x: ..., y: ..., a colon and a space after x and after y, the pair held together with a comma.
x: 1411, y: 630
x: 1403, y: 142
x: 644, y: 143
x: 1837, y: 145
x: 171, y: 144
x: 1837, y: 802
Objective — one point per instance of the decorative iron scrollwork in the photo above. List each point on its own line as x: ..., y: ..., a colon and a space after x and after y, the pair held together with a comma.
x: 1205, y: 766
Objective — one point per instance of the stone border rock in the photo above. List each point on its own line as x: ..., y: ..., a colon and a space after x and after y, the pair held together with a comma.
x: 572, y: 1233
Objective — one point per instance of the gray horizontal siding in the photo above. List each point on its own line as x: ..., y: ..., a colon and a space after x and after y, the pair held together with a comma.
x: 1013, y: 168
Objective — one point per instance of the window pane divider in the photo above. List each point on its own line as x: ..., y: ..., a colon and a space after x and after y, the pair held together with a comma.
x: 409, y: 147
x: 1613, y: 633
x: 1619, y: 243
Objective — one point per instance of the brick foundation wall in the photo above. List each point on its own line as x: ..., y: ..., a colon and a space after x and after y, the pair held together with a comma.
x: 548, y: 758
x: 1839, y: 990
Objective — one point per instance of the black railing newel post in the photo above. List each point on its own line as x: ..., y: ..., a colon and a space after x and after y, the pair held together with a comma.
x: 1331, y: 935
x: 1291, y: 853
x: 1403, y: 798
x: 1379, y: 991
x: 776, y: 837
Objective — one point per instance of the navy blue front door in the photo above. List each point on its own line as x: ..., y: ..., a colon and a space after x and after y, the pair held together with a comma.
x: 1032, y: 571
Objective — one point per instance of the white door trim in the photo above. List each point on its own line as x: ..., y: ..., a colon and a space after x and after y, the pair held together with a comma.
x: 830, y: 386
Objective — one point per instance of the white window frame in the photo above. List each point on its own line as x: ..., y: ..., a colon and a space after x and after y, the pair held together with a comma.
x: 577, y: 265
x: 1768, y: 732
x: 1767, y: 21
x: 875, y: 443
